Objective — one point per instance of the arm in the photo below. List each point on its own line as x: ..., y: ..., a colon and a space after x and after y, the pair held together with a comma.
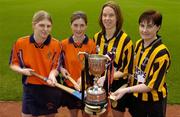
x: 119, y: 74
x: 24, y: 71
x: 127, y: 61
x: 141, y: 88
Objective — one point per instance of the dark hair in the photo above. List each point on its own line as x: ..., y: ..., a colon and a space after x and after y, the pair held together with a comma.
x: 78, y: 15
x: 151, y: 15
x: 118, y: 14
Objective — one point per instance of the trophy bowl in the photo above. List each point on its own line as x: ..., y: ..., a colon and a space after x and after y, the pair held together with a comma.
x: 97, y: 64
x: 96, y: 99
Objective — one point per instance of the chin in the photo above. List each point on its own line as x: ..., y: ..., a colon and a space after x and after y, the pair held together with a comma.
x: 44, y: 36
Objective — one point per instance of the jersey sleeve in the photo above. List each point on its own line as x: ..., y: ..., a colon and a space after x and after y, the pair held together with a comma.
x: 14, y: 59
x: 127, y: 58
x: 157, y: 76
x: 57, y: 64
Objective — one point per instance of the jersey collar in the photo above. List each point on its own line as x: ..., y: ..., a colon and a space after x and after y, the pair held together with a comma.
x: 78, y: 46
x: 46, y: 42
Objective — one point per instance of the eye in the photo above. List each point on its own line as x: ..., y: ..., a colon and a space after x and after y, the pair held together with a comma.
x: 104, y: 15
x: 82, y: 25
x: 111, y: 15
x: 75, y: 25
x: 150, y: 26
x: 142, y: 25
x: 48, y: 26
x: 41, y: 25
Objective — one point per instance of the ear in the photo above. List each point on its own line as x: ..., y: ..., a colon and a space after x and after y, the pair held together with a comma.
x: 158, y: 27
x: 33, y: 25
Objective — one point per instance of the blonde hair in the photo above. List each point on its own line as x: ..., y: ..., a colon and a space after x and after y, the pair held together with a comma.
x: 41, y: 15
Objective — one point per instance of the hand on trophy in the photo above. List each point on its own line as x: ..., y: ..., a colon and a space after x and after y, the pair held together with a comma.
x: 100, y: 81
x: 119, y: 93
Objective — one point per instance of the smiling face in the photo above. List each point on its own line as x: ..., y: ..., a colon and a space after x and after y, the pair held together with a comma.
x: 148, y: 30
x: 109, y: 18
x: 42, y: 29
x: 78, y: 27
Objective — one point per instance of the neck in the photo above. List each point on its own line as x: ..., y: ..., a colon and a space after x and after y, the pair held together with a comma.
x: 78, y: 39
x: 38, y: 40
x: 110, y: 33
x: 147, y: 42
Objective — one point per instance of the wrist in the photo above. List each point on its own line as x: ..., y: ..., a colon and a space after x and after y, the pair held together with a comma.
x: 129, y: 90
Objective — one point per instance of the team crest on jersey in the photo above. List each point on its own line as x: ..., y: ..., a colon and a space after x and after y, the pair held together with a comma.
x: 49, y: 55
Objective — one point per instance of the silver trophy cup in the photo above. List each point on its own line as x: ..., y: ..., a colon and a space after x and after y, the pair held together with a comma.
x: 96, y: 99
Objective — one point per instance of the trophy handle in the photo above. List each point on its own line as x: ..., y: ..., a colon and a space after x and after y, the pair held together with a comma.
x: 107, y: 57
x: 82, y: 53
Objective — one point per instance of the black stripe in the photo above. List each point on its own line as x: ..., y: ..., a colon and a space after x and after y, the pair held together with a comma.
x: 99, y: 38
x: 138, y: 45
x: 53, y: 60
x: 150, y: 97
x: 126, y: 41
x: 20, y: 57
x: 163, y: 52
x: 105, y: 48
x: 117, y: 39
x: 141, y: 52
x: 10, y: 59
x: 155, y: 43
x: 61, y: 61
x: 160, y: 75
x: 130, y: 68
x: 125, y: 60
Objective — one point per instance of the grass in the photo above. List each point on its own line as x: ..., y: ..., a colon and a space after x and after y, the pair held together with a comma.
x: 16, y: 17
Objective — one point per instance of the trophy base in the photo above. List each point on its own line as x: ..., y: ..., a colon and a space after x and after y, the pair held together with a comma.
x: 95, y: 110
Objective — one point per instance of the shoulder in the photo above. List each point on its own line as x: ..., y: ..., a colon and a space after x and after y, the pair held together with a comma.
x: 90, y: 40
x: 65, y: 41
x: 138, y: 41
x: 55, y: 41
x: 97, y: 34
x: 22, y: 40
x: 163, y: 50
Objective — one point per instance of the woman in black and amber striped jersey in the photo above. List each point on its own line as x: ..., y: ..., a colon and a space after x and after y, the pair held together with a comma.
x: 112, y: 38
x: 152, y: 61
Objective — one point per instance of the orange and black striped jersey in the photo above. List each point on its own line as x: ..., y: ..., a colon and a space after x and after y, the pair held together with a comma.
x: 71, y: 61
x: 26, y: 53
x: 153, y: 62
x: 122, y: 45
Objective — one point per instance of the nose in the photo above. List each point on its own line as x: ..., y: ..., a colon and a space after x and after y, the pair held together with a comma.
x: 46, y: 28
x: 107, y: 17
x: 144, y: 29
x: 78, y: 28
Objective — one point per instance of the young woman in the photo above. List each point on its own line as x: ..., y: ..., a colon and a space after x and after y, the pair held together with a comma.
x: 71, y: 46
x: 112, y: 38
x: 38, y: 53
x: 152, y: 61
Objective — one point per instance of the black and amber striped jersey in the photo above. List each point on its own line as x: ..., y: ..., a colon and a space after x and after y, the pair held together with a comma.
x: 151, y: 65
x: 122, y: 45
